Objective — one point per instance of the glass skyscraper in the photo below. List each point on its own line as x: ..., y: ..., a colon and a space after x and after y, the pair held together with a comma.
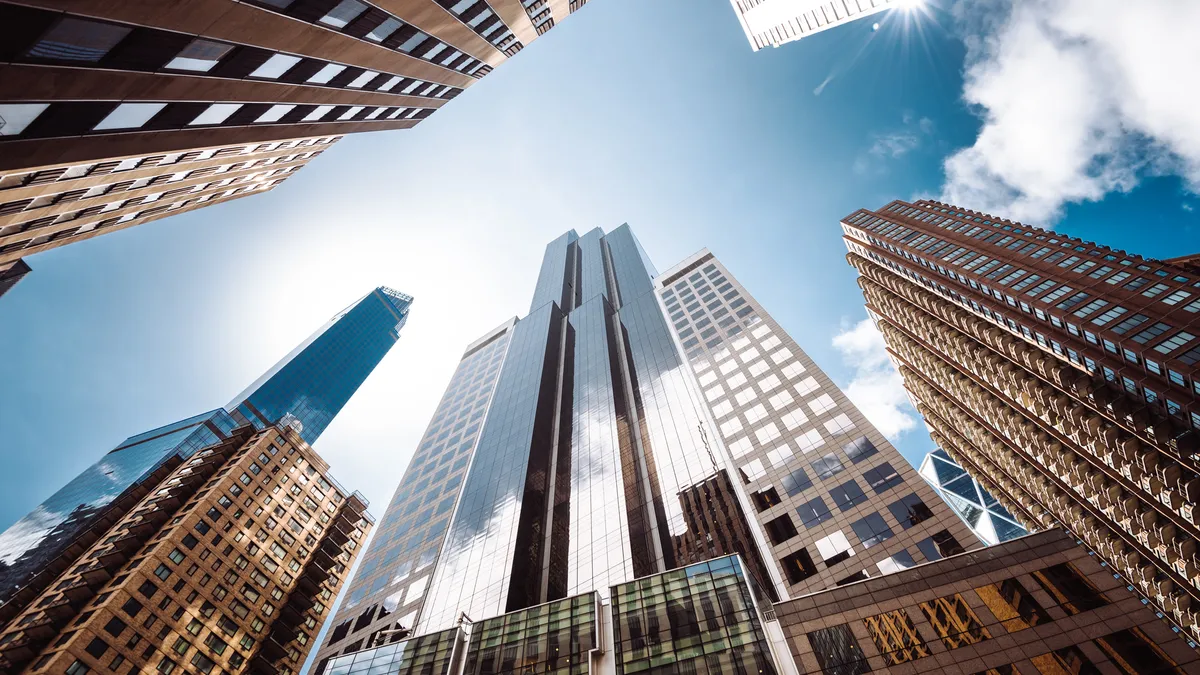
x: 982, y: 512
x: 311, y: 384
x: 618, y: 432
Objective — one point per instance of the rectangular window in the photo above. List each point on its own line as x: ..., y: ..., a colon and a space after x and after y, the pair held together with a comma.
x: 74, y: 39
x: 838, y: 652
x: 909, y: 511
x: 199, y: 56
x: 954, y: 621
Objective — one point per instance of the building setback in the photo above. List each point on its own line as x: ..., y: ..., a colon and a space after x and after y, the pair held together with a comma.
x: 308, y: 387
x: 113, y: 114
x: 1058, y: 372
x: 770, y: 23
x: 227, y: 562
x: 585, y: 445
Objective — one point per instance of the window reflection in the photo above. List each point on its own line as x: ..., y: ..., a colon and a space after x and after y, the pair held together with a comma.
x: 954, y: 621
x: 838, y: 652
x: 896, y: 637
x: 1012, y: 605
x: 1070, y: 589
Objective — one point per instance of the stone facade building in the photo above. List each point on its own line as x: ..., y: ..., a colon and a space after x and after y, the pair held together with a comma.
x: 228, y: 563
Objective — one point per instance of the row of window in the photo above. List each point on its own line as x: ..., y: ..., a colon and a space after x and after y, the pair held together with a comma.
x: 1182, y: 343
x: 120, y: 187
x: 78, y: 41
x: 71, y: 172
x: 44, y: 120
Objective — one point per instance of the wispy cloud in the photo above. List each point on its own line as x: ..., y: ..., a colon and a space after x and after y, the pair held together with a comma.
x: 1187, y: 207
x: 821, y: 87
x: 877, y: 388
x: 894, y: 144
x: 1079, y: 98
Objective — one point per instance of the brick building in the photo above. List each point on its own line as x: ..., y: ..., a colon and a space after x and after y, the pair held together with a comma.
x: 227, y: 564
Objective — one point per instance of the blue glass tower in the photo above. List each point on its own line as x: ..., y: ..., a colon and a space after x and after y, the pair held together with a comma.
x: 311, y: 384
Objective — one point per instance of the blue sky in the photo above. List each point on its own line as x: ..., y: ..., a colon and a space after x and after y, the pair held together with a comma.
x: 655, y: 113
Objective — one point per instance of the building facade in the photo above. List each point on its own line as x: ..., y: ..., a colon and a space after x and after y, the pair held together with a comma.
x: 586, y: 445
x: 227, y: 562
x: 770, y: 23
x: 1058, y: 372
x: 45, y: 207
x: 990, y: 522
x: 308, y: 387
x: 1036, y: 605
x: 113, y: 114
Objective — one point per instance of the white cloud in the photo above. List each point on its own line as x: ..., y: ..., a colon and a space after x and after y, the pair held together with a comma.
x: 894, y: 144
x: 877, y: 388
x: 1079, y: 98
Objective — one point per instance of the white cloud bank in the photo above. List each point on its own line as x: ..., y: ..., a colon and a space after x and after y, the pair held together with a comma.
x: 1079, y: 98
x: 877, y: 388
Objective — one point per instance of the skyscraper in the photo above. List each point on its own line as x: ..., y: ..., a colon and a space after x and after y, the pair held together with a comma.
x: 595, y: 441
x: 227, y: 562
x: 990, y: 522
x: 1060, y: 373
x: 113, y: 114
x: 775, y: 22
x: 309, y: 387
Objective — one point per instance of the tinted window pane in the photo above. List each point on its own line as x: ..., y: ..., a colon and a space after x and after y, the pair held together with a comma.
x: 78, y: 40
x: 838, y: 652
x: 847, y: 495
x: 860, y: 449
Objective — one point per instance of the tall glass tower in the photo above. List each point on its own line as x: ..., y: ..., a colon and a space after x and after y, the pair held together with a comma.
x: 620, y: 430
x: 311, y: 384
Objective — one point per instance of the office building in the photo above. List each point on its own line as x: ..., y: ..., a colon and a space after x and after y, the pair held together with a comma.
x: 1036, y: 605
x: 308, y: 387
x: 1058, y: 372
x: 990, y: 522
x: 595, y: 441
x: 770, y: 23
x: 226, y: 563
x: 114, y: 114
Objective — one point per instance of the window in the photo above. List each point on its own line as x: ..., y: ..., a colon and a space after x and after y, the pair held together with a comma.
x: 385, y: 29
x: 325, y: 74
x: 115, y: 627
x: 753, y: 470
x: 859, y: 449
x: 1135, y: 653
x: 75, y: 39
x: 274, y: 113
x: 838, y: 651
x: 1070, y: 589
x: 1150, y: 333
x: 813, y: 512
x: 810, y: 440
x: 765, y: 499
x: 827, y: 466
x: 129, y: 116
x: 839, y: 425
x: 275, y: 66
x: 1176, y: 298
x: 798, y: 566
x: 847, y: 495
x: 1174, y: 342
x: 780, y: 529
x: 215, y: 114
x: 96, y: 647
x: 199, y: 56
x: 345, y: 12
x: 77, y: 667
x: 954, y: 621
x: 872, y: 530
x: 896, y: 637
x: 940, y: 545
x: 317, y: 113
x: 882, y: 478
x: 1012, y: 605
x: 822, y: 403
x: 796, y: 482
x: 900, y: 560
x: 909, y: 511
x: 19, y: 116
x: 834, y: 549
